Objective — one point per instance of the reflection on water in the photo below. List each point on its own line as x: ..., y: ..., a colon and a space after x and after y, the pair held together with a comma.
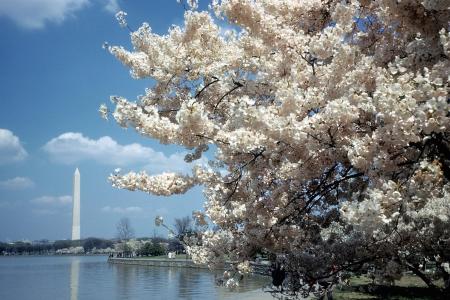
x: 91, y: 277
x: 187, y: 281
x: 74, y: 278
x: 176, y: 283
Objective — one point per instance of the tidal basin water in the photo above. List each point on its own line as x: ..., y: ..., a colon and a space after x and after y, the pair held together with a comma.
x: 92, y: 277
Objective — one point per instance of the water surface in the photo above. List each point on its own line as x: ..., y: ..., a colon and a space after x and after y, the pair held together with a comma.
x: 91, y: 277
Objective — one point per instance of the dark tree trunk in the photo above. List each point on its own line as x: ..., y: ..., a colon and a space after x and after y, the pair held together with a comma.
x: 446, y: 278
x: 416, y: 271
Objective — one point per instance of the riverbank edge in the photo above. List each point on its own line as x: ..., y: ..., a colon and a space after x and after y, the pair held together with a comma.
x: 179, y: 263
x: 258, y: 268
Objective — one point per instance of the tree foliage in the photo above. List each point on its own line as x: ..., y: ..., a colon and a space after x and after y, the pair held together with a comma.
x: 330, y: 124
x: 175, y: 245
x: 152, y: 249
x: 183, y: 226
x: 91, y: 243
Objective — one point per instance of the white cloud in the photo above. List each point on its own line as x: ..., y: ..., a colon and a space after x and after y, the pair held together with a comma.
x: 122, y: 210
x: 34, y: 14
x: 112, y: 6
x: 17, y: 183
x: 53, y: 200
x: 73, y: 147
x: 11, y: 149
x: 51, y: 205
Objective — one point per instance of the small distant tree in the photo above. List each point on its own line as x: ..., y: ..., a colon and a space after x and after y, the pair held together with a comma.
x: 124, y: 229
x: 124, y: 249
x: 174, y: 245
x: 157, y: 249
x: 183, y: 226
x: 152, y: 249
x: 145, y: 249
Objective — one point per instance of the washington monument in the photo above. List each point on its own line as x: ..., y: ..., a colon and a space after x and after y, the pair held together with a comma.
x: 76, y: 206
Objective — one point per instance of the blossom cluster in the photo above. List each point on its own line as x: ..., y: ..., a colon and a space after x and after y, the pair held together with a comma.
x: 163, y: 185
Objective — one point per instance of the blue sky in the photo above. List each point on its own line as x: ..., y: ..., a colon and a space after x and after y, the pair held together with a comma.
x: 54, y: 75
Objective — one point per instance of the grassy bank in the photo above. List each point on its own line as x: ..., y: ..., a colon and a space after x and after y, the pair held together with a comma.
x: 408, y: 287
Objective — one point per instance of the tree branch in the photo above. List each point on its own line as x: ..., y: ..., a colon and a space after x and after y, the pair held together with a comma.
x: 206, y: 86
x: 237, y: 85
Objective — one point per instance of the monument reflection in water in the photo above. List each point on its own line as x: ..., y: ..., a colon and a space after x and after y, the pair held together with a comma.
x: 74, y: 278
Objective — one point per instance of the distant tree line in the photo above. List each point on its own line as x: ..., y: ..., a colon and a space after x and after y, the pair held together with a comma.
x: 47, y: 247
x: 142, y: 246
x: 124, y: 244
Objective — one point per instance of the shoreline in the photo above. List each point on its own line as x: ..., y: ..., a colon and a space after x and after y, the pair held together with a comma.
x: 156, y: 262
x: 258, y: 268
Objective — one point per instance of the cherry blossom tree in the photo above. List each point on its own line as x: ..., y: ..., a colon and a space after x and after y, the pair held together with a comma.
x: 329, y: 122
